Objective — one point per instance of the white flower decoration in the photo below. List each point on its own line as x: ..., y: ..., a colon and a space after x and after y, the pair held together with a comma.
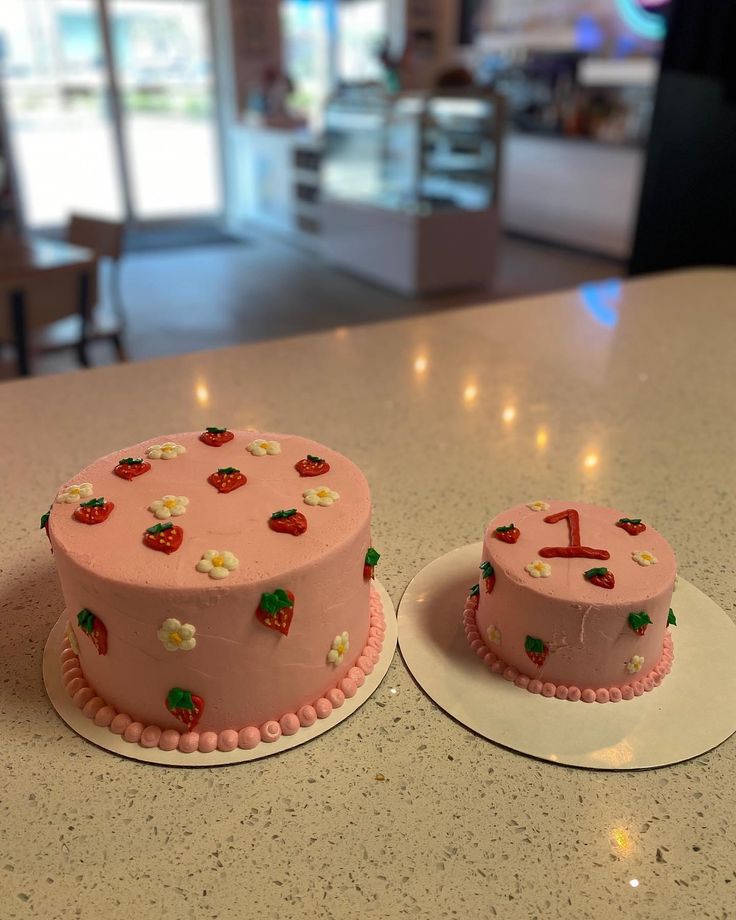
x: 322, y: 496
x: 538, y: 506
x: 166, y: 451
x: 644, y: 557
x: 177, y: 636
x: 539, y: 569
x: 634, y: 664
x: 217, y: 563
x: 494, y: 635
x: 74, y: 494
x: 259, y: 447
x: 169, y: 506
x: 340, y: 645
x: 72, y: 639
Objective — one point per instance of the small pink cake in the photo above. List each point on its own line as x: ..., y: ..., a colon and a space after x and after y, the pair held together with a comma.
x: 573, y: 602
x: 218, y: 588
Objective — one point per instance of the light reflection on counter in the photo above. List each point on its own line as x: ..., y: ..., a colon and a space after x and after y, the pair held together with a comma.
x: 634, y: 882
x: 341, y: 332
x: 470, y: 393
x: 202, y: 394
x: 601, y: 299
x: 542, y: 438
x: 509, y: 414
x: 421, y: 363
x: 622, y: 841
x: 591, y: 460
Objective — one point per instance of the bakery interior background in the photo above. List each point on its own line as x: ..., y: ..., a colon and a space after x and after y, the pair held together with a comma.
x: 313, y: 164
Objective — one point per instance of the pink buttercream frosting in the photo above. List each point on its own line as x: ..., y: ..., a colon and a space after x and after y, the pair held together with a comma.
x: 205, y: 743
x: 582, y: 644
x: 245, y: 673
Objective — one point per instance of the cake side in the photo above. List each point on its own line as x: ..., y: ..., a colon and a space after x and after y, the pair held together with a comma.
x: 595, y: 618
x: 280, y: 627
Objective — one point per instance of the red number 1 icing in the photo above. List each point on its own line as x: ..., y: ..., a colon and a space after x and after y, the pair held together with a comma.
x: 573, y: 550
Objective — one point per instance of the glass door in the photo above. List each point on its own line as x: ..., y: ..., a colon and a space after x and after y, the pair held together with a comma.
x: 164, y: 76
x: 56, y: 101
x: 111, y: 108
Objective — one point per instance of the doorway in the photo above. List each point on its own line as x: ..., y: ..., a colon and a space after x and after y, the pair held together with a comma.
x: 111, y: 109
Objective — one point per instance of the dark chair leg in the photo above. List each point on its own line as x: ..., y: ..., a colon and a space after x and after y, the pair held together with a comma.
x: 83, y: 319
x: 117, y: 293
x: 18, y: 307
x: 119, y: 347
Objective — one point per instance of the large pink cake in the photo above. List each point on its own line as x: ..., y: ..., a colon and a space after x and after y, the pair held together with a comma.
x: 218, y: 588
x: 573, y: 602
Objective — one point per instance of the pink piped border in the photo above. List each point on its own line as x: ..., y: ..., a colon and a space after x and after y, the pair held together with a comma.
x: 559, y: 691
x: 151, y: 736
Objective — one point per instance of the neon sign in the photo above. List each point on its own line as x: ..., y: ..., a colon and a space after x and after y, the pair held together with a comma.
x: 643, y: 17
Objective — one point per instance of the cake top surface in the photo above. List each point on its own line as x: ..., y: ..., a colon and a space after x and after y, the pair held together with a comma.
x: 198, y: 488
x: 640, y: 559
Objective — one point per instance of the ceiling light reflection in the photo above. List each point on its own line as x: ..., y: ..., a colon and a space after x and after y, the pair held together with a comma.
x: 341, y: 332
x: 634, y: 882
x: 508, y: 414
x: 542, y: 438
x: 202, y: 394
x: 622, y: 842
x: 590, y: 461
x: 470, y: 394
x: 421, y: 363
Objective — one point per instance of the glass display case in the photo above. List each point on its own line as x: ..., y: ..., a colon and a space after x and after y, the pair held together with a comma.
x: 415, y: 152
x: 410, y: 187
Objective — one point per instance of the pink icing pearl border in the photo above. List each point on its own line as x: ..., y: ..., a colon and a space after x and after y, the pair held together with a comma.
x: 559, y: 691
x: 151, y: 736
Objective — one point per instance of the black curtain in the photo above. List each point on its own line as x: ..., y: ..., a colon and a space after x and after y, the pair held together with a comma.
x: 687, y: 210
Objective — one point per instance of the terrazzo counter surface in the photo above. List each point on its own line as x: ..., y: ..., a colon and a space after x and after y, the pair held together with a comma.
x: 615, y: 394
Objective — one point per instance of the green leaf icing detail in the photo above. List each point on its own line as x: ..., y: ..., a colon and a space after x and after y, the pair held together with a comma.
x: 505, y: 529
x: 532, y: 644
x: 315, y: 459
x: 285, y: 513
x: 130, y: 461
x: 228, y: 470
x: 629, y: 520
x: 372, y: 557
x: 216, y: 430
x: 179, y: 699
x: 487, y: 569
x: 591, y: 573
x: 475, y: 591
x: 86, y: 620
x: 45, y: 519
x: 159, y: 528
x: 637, y: 620
x: 272, y: 603
x: 93, y: 503
x: 671, y: 618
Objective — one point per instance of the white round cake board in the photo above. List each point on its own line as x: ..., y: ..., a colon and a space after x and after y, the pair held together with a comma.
x: 692, y: 711
x: 106, y: 739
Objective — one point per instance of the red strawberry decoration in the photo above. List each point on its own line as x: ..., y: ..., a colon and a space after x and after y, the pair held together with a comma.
x: 94, y: 628
x: 671, y: 618
x: 95, y: 511
x: 371, y: 558
x: 185, y: 706
x: 536, y: 650
x: 489, y: 576
x: 216, y: 437
x: 227, y: 479
x: 508, y: 534
x: 131, y: 467
x: 639, y: 622
x: 312, y: 466
x: 288, y: 521
x: 276, y: 610
x: 632, y: 526
x: 602, y: 577
x: 166, y: 538
x: 45, y: 524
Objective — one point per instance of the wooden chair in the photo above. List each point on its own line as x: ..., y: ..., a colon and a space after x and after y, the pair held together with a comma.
x: 105, y: 238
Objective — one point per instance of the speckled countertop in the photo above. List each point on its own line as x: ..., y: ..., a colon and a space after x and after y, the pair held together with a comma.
x: 623, y: 397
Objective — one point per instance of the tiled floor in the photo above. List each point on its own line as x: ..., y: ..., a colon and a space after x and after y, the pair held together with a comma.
x: 185, y: 300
